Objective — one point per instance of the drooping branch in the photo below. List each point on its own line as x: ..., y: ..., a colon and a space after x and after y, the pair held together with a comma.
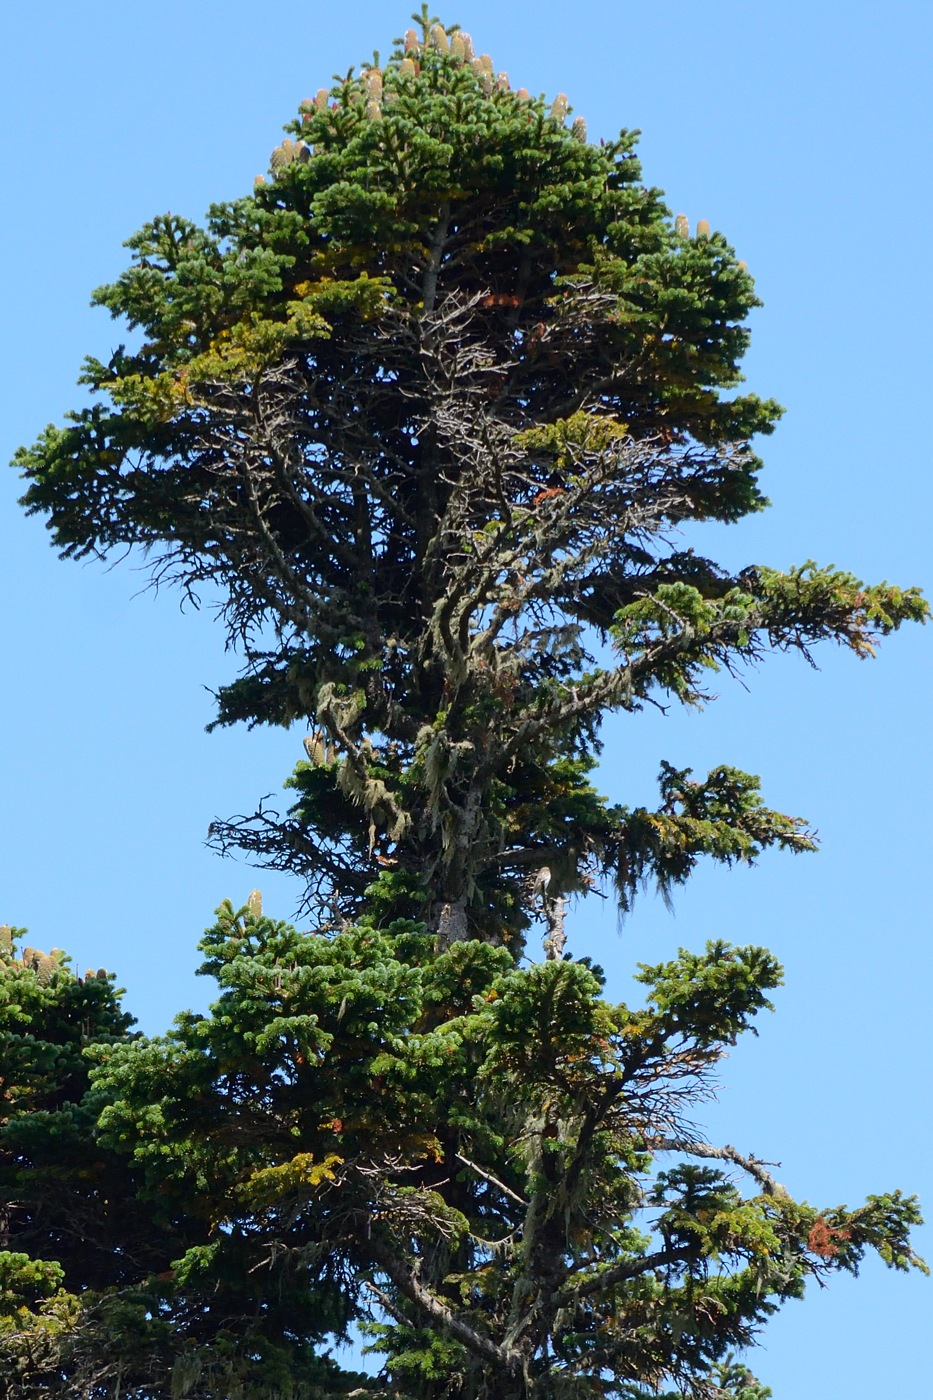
x: 752, y: 1165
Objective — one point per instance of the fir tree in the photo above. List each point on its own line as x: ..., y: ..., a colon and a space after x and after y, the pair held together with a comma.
x: 432, y: 408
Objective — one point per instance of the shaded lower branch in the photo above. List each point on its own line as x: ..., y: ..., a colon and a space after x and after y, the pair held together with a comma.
x: 406, y: 1280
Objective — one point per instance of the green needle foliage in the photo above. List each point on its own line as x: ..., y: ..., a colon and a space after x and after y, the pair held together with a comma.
x: 430, y: 413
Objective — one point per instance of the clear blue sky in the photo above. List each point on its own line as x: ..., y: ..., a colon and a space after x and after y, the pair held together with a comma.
x: 803, y: 130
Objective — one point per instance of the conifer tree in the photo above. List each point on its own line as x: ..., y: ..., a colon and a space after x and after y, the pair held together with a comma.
x: 72, y: 1219
x: 433, y: 409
